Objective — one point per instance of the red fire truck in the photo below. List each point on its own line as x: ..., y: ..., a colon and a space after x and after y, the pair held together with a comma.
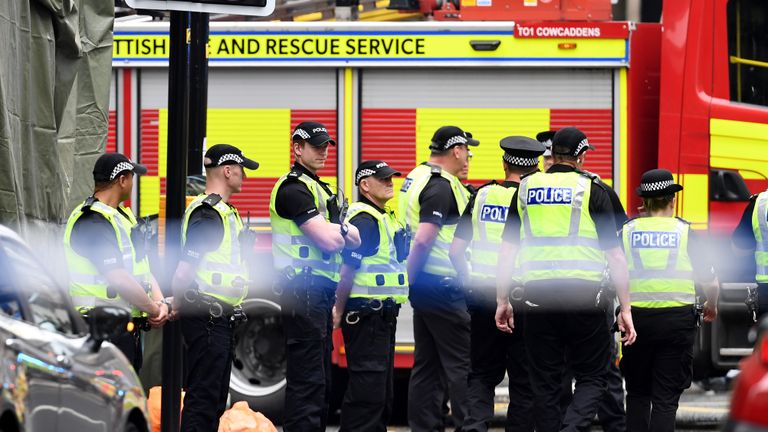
x: 689, y: 95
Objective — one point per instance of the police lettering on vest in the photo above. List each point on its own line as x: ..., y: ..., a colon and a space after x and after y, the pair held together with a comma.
x: 494, y: 213
x: 655, y: 239
x: 550, y: 195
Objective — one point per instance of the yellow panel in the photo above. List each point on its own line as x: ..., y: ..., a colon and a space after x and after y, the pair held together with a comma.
x: 149, y: 195
x: 741, y: 146
x: 348, y: 141
x: 692, y: 201
x: 162, y: 141
x: 623, y: 147
x: 489, y: 125
x: 262, y: 135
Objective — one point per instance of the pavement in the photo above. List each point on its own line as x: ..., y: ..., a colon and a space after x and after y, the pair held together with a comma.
x: 703, y: 407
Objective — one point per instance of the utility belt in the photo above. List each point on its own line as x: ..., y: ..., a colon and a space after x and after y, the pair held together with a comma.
x: 204, y: 304
x: 299, y: 284
x: 139, y: 323
x: 358, y: 308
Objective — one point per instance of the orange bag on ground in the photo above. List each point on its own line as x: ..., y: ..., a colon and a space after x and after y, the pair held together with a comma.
x: 240, y: 418
x: 154, y: 403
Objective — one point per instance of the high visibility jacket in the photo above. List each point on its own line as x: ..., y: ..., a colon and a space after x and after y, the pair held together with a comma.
x: 381, y: 275
x: 760, y: 228
x: 220, y: 273
x: 87, y: 285
x: 290, y: 246
x: 438, y: 261
x: 558, y: 235
x: 489, y: 213
x: 660, y: 271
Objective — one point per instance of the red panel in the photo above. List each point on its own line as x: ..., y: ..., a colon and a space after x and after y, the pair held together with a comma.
x: 390, y: 135
x: 112, y: 132
x: 255, y: 197
x: 148, y: 144
x: 597, y: 124
x: 328, y: 118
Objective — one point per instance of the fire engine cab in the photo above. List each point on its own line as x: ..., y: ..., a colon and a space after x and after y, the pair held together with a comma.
x: 689, y: 95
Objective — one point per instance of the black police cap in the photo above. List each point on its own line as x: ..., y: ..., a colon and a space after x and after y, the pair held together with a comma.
x: 226, y: 154
x: 376, y: 168
x: 312, y: 132
x: 521, y: 150
x: 657, y: 183
x: 110, y: 165
x: 449, y: 136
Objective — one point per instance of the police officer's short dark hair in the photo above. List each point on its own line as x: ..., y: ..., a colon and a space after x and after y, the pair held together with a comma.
x: 518, y: 169
x: 559, y: 153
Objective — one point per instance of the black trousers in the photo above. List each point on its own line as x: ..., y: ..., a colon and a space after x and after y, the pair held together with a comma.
x: 493, y: 353
x: 130, y: 344
x: 610, y: 410
x: 441, y: 358
x: 566, y: 320
x: 658, y: 367
x: 370, y: 347
x: 306, y: 313
x: 209, y: 344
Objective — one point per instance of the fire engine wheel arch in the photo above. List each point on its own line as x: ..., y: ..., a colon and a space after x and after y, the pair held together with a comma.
x: 258, y: 372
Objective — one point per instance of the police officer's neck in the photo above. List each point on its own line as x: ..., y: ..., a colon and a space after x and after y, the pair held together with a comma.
x: 665, y: 212
x: 371, y: 200
x: 110, y: 196
x: 445, y: 162
x: 219, y: 188
x: 306, y: 168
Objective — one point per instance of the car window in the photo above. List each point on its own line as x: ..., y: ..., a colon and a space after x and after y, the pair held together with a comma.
x: 47, y: 302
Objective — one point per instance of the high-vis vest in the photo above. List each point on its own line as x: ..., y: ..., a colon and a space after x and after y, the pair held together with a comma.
x: 381, y: 275
x: 438, y: 261
x: 760, y: 228
x: 489, y: 214
x: 221, y: 273
x: 660, y: 271
x: 87, y: 285
x: 290, y: 246
x: 558, y: 235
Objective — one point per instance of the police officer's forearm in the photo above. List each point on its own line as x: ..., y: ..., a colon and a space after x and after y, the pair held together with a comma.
x: 423, y: 240
x: 327, y: 236
x: 131, y: 291
x: 458, y: 256
x: 712, y: 290
x: 183, y: 279
x: 157, y: 293
x: 352, y: 240
x: 344, y: 287
x: 505, y: 272
x: 617, y: 263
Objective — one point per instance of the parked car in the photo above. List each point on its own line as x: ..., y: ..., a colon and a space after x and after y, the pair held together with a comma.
x: 749, y: 403
x: 57, y: 372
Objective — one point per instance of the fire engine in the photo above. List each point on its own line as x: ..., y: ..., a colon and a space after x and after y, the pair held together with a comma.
x: 689, y: 95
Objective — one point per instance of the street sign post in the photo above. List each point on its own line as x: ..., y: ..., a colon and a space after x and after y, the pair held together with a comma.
x: 231, y: 7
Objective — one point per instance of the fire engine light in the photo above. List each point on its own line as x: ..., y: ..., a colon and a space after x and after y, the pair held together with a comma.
x: 485, y: 45
x: 567, y: 45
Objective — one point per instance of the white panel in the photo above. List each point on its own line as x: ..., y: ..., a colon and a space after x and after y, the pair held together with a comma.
x: 252, y: 88
x: 487, y: 88
x: 113, y: 91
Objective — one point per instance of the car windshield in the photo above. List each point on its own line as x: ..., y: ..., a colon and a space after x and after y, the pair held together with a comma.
x: 47, y: 303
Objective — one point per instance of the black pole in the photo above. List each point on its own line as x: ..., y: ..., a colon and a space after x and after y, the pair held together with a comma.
x: 176, y: 180
x: 198, y: 88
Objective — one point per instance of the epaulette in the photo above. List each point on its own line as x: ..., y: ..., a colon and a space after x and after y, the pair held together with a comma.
x: 753, y: 197
x: 682, y: 220
x: 630, y: 220
x: 595, y: 179
x: 293, y: 175
x: 88, y: 203
x: 492, y: 182
x: 212, y: 199
x: 436, y: 170
x: 529, y: 174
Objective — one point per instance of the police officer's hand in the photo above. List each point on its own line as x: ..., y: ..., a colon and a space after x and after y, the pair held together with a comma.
x: 161, y: 318
x: 337, y: 314
x: 710, y: 311
x: 505, y: 319
x: 627, y: 327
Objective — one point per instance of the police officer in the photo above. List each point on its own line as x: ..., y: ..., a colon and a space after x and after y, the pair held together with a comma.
x: 546, y: 139
x: 751, y: 235
x: 561, y: 222
x: 493, y: 352
x: 373, y: 285
x: 430, y: 203
x: 610, y: 410
x: 210, y: 284
x: 106, y: 254
x: 665, y: 261
x: 307, y: 235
